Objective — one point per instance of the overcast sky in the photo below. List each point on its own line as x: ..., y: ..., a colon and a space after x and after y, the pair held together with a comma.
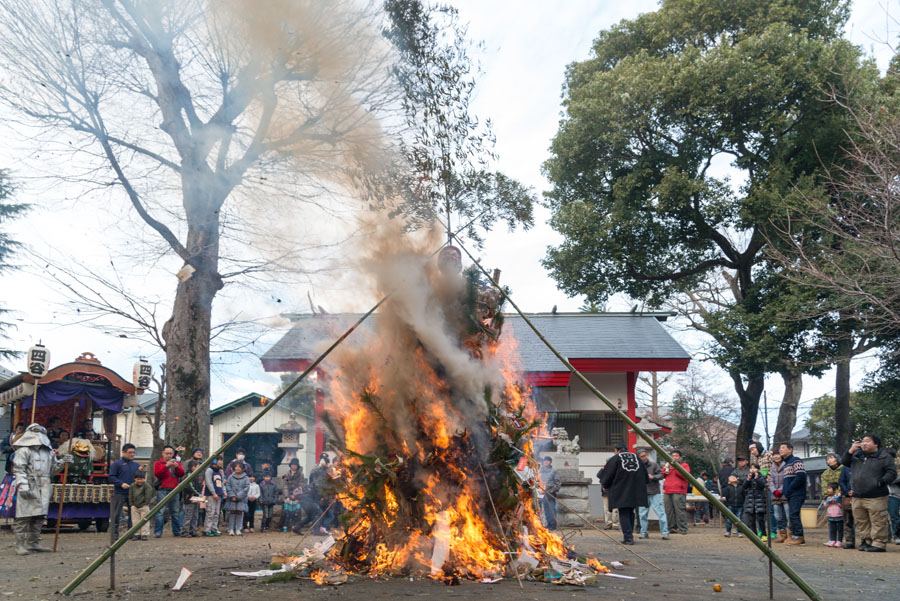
x: 527, y: 47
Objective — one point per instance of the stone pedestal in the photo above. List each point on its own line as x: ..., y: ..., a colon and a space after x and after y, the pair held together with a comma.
x: 290, y: 442
x: 574, y: 490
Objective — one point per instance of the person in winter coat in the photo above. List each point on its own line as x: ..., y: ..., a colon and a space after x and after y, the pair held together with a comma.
x: 625, y: 476
x: 847, y: 496
x: 168, y: 472
x: 240, y: 457
x: 654, y: 498
x: 794, y: 490
x: 733, y: 497
x: 121, y: 476
x: 727, y: 468
x: 293, y: 479
x: 835, y: 513
x: 194, y: 489
x: 871, y: 471
x: 894, y: 499
x: 760, y: 457
x: 308, y: 497
x: 756, y: 498
x: 237, y: 488
x: 551, y: 483
x: 252, y: 501
x: 675, y: 488
x: 33, y: 464
x: 214, y: 479
x: 140, y: 497
x: 779, y: 503
x: 268, y: 496
x: 742, y: 470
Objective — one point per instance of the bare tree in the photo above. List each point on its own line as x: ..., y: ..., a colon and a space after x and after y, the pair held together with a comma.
x: 192, y: 106
x: 648, y: 387
x: 703, y: 421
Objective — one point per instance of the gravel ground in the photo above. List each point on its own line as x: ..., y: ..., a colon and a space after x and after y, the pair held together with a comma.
x: 690, y: 566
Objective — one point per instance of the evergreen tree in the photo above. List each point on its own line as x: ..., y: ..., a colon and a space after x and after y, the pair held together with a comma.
x: 8, y: 210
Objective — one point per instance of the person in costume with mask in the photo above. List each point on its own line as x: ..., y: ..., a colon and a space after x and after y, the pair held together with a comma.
x: 35, y: 461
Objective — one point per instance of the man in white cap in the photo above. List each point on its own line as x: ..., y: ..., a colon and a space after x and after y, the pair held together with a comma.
x: 35, y: 461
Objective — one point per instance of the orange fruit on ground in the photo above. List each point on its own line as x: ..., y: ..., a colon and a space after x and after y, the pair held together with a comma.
x: 717, y: 588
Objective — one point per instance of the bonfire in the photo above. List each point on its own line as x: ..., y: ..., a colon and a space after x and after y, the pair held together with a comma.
x: 436, y: 429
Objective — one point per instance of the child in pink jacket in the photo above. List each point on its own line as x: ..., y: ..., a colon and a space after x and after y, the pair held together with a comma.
x: 835, y: 513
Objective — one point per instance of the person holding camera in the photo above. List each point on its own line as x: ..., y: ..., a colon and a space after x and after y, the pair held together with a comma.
x: 871, y: 471
x: 168, y: 472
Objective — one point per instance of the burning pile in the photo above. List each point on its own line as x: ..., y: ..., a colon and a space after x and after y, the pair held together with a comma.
x: 432, y: 423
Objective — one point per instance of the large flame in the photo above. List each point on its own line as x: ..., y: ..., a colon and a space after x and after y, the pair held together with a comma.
x: 432, y: 416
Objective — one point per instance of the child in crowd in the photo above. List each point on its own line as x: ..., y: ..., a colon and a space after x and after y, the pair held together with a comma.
x: 291, y: 514
x: 237, y: 487
x: 190, y: 499
x: 835, y: 512
x: 215, y: 491
x: 756, y: 498
x: 268, y: 496
x: 733, y: 496
x: 140, y: 496
x: 252, y: 497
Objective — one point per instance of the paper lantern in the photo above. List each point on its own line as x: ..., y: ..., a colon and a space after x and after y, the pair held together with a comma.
x: 141, y: 375
x: 38, y: 360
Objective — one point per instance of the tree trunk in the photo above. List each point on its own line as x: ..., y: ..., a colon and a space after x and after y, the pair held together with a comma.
x: 843, y: 427
x: 188, y: 330
x: 787, y: 414
x: 749, y: 397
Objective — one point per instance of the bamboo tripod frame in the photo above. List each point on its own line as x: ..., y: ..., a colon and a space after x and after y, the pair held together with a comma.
x: 751, y: 536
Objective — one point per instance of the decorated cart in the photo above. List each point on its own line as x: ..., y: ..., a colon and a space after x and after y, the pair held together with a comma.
x: 73, y: 392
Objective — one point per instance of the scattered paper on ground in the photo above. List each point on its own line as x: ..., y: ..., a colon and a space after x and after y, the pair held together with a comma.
x: 182, y: 578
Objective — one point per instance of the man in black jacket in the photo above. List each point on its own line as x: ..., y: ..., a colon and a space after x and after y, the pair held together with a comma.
x: 727, y: 468
x: 871, y: 470
x: 626, y: 479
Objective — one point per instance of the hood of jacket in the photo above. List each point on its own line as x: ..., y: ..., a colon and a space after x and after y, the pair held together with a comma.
x: 35, y: 436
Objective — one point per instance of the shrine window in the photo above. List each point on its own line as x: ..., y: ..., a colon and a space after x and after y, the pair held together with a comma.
x: 597, y: 430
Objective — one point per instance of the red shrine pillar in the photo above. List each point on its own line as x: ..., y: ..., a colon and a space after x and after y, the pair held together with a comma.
x: 631, y: 409
x: 320, y: 408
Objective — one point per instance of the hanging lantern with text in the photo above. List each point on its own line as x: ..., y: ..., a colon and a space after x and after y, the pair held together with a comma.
x: 38, y: 361
x: 141, y: 375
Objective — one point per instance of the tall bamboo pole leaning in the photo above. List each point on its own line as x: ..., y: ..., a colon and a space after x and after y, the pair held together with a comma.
x: 206, y: 463
x: 750, y: 535
x: 65, y: 478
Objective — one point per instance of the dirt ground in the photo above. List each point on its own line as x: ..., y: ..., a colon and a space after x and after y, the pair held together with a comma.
x: 690, y: 566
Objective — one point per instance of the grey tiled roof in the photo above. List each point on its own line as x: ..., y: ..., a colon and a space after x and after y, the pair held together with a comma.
x: 575, y: 335
x: 591, y: 336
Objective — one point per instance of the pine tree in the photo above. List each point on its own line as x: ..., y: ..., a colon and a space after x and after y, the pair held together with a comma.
x: 8, y: 211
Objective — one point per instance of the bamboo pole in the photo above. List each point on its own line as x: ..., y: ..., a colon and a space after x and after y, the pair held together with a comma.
x: 65, y: 479
x: 751, y: 536
x: 133, y: 416
x: 34, y: 400
x: 190, y: 477
x: 499, y: 523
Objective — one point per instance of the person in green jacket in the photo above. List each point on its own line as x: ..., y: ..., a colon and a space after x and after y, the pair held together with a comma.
x: 140, y: 496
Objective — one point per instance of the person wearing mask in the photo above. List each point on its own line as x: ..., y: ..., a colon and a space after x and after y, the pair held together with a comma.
x: 625, y: 476
x: 871, y: 471
x: 654, y: 498
x: 240, y: 457
x: 121, y: 476
x: 794, y: 490
x: 675, y: 488
x: 168, y: 472
x: 551, y: 484
x: 779, y: 503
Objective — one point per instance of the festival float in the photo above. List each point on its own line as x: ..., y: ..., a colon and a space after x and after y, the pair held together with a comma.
x: 72, y: 392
